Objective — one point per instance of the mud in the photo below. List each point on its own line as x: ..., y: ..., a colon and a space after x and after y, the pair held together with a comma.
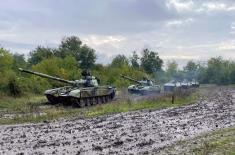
x: 140, y: 132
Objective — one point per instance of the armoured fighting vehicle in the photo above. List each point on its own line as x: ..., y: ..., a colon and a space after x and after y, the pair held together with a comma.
x: 172, y: 86
x: 186, y: 84
x: 142, y: 87
x: 195, y: 83
x: 80, y: 93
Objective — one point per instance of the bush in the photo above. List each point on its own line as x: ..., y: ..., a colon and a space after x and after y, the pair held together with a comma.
x: 14, y: 87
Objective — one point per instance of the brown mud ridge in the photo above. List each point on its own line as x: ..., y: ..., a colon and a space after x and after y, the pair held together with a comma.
x: 139, y: 132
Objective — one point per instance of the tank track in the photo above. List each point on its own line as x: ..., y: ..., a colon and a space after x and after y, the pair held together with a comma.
x: 80, y: 102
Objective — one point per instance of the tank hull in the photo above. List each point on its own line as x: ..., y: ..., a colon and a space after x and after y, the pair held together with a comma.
x: 143, y: 90
x: 80, y: 97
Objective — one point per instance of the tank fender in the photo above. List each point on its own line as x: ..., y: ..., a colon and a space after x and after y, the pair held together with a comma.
x: 75, y: 93
x: 51, y: 91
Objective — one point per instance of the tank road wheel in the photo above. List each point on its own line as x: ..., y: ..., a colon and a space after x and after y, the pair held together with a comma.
x: 97, y: 100
x: 86, y: 101
x: 75, y: 102
x: 91, y: 101
x: 106, y: 98
x: 103, y: 99
x: 112, y: 95
x: 82, y: 103
x: 52, y: 99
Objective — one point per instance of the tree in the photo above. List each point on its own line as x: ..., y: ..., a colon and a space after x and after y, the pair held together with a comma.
x: 18, y: 61
x: 150, y: 61
x: 39, y: 54
x: 172, y: 69
x: 69, y: 46
x: 6, y: 60
x: 191, y: 66
x: 72, y: 46
x: 191, y: 70
x: 119, y: 61
x: 134, y: 60
x: 86, y: 57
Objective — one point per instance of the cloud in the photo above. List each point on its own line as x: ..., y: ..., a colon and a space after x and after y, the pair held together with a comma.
x: 227, y: 45
x: 180, y: 5
x: 192, y: 29
x: 216, y: 6
x: 179, y: 23
x: 97, y: 40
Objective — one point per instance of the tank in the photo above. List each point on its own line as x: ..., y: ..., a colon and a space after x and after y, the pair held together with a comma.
x: 195, y: 83
x: 186, y: 84
x: 172, y: 85
x: 142, y: 87
x: 79, y: 93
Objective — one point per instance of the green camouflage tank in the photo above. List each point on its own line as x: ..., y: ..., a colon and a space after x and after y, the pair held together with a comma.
x: 80, y: 93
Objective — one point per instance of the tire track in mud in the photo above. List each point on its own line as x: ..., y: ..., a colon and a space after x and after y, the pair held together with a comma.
x: 136, y: 132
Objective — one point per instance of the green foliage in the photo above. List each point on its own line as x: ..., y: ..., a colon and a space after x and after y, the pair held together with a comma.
x: 172, y: 69
x: 69, y: 46
x: 87, y: 57
x: 217, y: 71
x: 72, y: 46
x: 14, y: 87
x: 64, y: 68
x: 134, y: 60
x: 71, y: 57
x: 6, y: 60
x: 150, y: 61
x: 111, y: 75
x: 39, y: 54
x: 119, y: 61
x: 18, y: 62
x: 191, y: 66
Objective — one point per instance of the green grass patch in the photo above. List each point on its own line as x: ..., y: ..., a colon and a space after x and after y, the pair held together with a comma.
x: 219, y: 142
x: 34, y: 109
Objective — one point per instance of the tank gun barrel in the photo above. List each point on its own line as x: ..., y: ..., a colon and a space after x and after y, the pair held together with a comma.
x: 47, y: 76
x: 133, y: 80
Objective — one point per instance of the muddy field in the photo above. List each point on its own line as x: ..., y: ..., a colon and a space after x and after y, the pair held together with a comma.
x: 126, y: 133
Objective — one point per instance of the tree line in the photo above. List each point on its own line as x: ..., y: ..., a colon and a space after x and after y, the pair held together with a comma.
x: 72, y: 56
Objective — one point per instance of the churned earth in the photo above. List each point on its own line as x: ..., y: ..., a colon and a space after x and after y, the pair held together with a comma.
x: 139, y: 132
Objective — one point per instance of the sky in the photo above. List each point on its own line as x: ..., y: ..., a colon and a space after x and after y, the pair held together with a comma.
x: 179, y: 30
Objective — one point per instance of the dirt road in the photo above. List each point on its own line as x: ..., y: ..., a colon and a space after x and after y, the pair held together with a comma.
x: 126, y: 133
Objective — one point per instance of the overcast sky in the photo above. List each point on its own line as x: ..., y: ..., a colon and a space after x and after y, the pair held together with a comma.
x: 177, y: 29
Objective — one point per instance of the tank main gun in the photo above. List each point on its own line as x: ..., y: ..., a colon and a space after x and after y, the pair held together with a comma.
x: 133, y: 80
x: 48, y: 76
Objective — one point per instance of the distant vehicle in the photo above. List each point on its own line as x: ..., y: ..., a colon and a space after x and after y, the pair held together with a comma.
x: 142, y: 87
x: 195, y: 83
x: 185, y: 84
x: 171, y: 86
x: 80, y: 93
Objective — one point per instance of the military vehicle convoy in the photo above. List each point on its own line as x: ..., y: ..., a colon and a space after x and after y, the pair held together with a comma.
x: 86, y: 91
x: 80, y: 93
x: 142, y: 87
x: 178, y: 85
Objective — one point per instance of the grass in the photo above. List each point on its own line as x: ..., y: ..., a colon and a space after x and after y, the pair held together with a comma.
x: 33, y: 108
x: 218, y: 142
